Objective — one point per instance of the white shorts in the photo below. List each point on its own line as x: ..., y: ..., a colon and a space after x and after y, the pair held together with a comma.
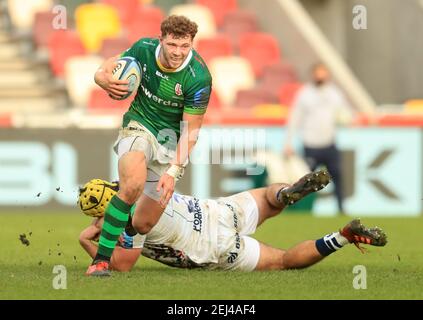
x: 135, y: 137
x: 238, y: 218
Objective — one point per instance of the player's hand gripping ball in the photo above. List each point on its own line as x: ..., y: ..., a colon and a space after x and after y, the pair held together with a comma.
x: 128, y: 68
x: 95, y: 195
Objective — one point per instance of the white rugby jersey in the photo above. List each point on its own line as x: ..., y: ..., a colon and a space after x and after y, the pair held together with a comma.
x: 186, y: 234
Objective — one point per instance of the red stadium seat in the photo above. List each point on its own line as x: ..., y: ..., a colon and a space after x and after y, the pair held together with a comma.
x: 219, y: 8
x: 238, y: 22
x: 62, y: 45
x: 127, y: 9
x: 42, y: 28
x: 217, y: 46
x: 276, y: 75
x: 214, y: 102
x: 261, y: 49
x: 252, y: 97
x: 6, y: 120
x: 99, y: 101
x: 287, y: 93
x: 147, y: 23
x: 113, y: 46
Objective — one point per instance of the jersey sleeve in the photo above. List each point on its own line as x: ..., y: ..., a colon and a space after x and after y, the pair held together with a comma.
x: 197, y: 98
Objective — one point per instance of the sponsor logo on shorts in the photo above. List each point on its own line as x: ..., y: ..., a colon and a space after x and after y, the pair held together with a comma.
x: 194, y: 208
x: 232, y: 257
x: 235, y: 216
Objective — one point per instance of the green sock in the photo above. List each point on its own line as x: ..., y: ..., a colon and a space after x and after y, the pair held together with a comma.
x: 115, y: 220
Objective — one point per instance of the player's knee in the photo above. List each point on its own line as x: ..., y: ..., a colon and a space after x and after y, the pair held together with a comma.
x: 142, y: 227
x: 130, y: 192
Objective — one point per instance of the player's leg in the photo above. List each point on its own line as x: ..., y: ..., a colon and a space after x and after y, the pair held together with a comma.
x: 300, y: 256
x: 132, y: 175
x: 333, y: 164
x: 273, y: 199
x: 266, y: 201
x: 254, y: 255
x: 310, y: 252
x: 147, y: 213
x: 148, y: 209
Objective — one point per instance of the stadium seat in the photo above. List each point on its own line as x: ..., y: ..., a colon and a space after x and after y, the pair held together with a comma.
x: 214, y: 102
x: 270, y: 111
x: 276, y: 75
x: 42, y: 28
x: 79, y: 76
x: 22, y: 12
x: 147, y: 23
x: 127, y: 9
x: 414, y: 106
x: 261, y: 49
x: 250, y: 97
x: 6, y: 120
x: 230, y: 74
x: 62, y: 45
x: 219, y: 8
x: 167, y: 5
x: 287, y: 93
x: 199, y: 14
x: 100, y: 102
x: 113, y: 46
x: 95, y: 22
x: 238, y: 22
x: 217, y: 46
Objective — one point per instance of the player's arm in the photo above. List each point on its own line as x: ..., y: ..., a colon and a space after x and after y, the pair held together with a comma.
x: 189, y: 136
x: 122, y: 259
x: 187, y: 141
x: 104, y: 78
x: 195, y: 107
x: 88, y: 235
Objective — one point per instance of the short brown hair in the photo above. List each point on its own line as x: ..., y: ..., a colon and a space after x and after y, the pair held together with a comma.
x: 179, y: 27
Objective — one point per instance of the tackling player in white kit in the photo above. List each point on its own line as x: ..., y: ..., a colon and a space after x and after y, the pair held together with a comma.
x: 215, y: 234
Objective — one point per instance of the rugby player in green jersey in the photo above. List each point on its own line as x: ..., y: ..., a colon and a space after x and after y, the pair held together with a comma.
x: 158, y: 131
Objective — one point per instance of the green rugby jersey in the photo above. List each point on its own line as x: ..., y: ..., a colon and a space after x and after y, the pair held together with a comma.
x: 164, y: 96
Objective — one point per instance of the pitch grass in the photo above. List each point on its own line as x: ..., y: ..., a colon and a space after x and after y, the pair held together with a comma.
x: 26, y: 272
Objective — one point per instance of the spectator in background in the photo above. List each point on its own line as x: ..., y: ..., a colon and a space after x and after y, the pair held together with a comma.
x: 317, y: 109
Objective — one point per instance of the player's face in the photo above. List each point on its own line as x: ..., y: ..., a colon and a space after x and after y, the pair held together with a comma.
x: 174, y: 50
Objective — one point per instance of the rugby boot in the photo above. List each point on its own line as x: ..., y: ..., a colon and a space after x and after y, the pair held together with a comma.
x: 99, y: 268
x: 311, y: 182
x: 355, y: 232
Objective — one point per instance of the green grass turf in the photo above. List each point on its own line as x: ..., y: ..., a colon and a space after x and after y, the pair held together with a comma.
x: 393, y: 272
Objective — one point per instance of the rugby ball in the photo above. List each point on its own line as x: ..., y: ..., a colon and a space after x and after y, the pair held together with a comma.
x: 128, y: 68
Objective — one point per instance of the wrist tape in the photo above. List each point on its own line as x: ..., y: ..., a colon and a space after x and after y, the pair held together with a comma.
x: 175, y: 171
